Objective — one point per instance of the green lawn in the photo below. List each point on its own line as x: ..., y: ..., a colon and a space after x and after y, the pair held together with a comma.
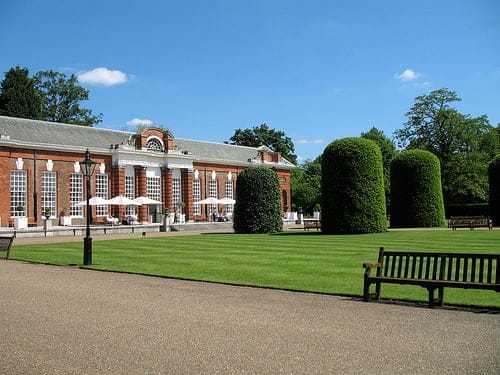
x: 294, y: 260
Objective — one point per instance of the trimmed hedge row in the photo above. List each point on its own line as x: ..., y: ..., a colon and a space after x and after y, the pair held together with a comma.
x: 494, y: 184
x: 416, y: 193
x: 353, y: 198
x: 258, y: 205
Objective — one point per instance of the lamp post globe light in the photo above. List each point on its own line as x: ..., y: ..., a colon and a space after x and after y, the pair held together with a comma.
x: 88, y: 166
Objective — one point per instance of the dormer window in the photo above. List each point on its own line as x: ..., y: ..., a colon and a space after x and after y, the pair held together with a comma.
x: 154, y: 144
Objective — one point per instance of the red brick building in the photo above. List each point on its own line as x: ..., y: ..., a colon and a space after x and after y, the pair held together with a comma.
x: 40, y: 171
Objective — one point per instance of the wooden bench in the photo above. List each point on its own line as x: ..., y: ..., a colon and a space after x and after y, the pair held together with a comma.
x: 470, y: 222
x: 433, y: 271
x: 5, y: 244
x: 312, y: 223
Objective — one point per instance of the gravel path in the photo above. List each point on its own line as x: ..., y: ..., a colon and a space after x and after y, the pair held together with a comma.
x: 64, y: 320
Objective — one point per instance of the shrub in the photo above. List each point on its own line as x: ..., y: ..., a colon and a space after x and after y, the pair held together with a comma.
x: 352, y: 185
x: 258, y: 204
x: 416, y: 193
x: 494, y: 183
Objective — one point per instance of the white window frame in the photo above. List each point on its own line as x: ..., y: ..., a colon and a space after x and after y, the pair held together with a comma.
x: 196, y: 196
x: 212, y: 191
x: 49, y: 192
x: 229, y: 194
x: 130, y: 194
x: 18, y: 192
x: 102, y: 191
x: 153, y: 184
x: 176, y: 191
x: 75, y: 194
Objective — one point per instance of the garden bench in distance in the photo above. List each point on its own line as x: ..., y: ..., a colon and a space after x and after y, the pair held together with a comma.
x: 470, y: 222
x: 312, y: 223
x: 433, y: 271
x: 5, y: 244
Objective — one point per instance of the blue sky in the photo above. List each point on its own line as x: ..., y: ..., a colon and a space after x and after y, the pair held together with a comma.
x: 319, y: 70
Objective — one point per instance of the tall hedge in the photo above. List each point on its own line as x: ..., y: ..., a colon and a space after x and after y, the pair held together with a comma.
x: 258, y: 202
x: 352, y: 186
x: 494, y: 182
x: 416, y: 193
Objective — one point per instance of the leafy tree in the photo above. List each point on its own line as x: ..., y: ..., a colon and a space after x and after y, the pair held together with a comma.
x: 258, y: 207
x: 389, y: 152
x: 416, y: 191
x: 18, y: 95
x: 352, y: 188
x: 494, y: 181
x: 264, y: 136
x: 61, y: 97
x: 305, y: 183
x: 456, y: 139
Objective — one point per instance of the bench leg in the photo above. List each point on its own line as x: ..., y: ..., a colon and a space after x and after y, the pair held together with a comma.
x: 432, y: 301
x: 377, y: 291
x: 366, y: 291
x: 441, y: 296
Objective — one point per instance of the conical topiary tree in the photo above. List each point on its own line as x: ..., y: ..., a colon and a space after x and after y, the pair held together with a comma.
x: 258, y: 202
x: 494, y: 183
x: 352, y: 187
x: 416, y: 193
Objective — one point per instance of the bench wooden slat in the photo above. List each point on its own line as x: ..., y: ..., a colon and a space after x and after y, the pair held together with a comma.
x: 312, y: 223
x: 434, y: 271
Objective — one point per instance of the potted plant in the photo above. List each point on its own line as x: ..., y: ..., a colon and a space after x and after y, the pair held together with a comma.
x: 46, y: 213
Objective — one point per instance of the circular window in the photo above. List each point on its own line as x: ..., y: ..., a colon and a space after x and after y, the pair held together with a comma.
x: 154, y: 144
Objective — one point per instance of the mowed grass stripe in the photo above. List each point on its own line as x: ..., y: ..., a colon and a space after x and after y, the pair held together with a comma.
x: 295, y: 260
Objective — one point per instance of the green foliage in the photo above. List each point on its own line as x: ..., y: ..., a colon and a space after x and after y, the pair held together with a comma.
x: 61, y: 97
x: 494, y: 181
x: 305, y: 183
x: 48, y: 96
x: 417, y: 198
x: 258, y: 207
x: 388, y: 149
x: 18, y: 95
x: 264, y: 136
x: 464, y: 145
x: 353, y: 199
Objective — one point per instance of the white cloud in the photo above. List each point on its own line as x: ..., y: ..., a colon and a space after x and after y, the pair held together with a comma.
x: 140, y: 122
x: 407, y: 75
x: 308, y: 142
x: 102, y: 76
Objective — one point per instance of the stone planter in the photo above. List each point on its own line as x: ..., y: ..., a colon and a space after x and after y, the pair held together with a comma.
x: 20, y: 222
x: 65, y: 220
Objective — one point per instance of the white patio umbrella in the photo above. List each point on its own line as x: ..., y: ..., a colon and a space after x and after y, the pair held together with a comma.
x: 227, y: 200
x: 209, y: 200
x: 94, y: 201
x: 146, y: 200
x: 120, y: 200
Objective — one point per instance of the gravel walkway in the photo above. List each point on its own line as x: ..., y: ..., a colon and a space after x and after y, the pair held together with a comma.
x: 64, y: 320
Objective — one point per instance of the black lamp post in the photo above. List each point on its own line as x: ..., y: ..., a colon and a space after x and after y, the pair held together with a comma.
x: 88, y: 167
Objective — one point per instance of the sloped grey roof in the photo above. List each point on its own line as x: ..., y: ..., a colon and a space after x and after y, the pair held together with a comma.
x: 51, y: 133
x: 216, y: 151
x: 46, y: 133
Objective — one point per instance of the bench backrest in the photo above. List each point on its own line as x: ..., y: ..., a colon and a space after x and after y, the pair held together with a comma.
x: 469, y: 219
x: 458, y: 267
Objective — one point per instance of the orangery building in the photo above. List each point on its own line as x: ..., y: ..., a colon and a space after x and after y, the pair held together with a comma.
x: 41, y: 173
